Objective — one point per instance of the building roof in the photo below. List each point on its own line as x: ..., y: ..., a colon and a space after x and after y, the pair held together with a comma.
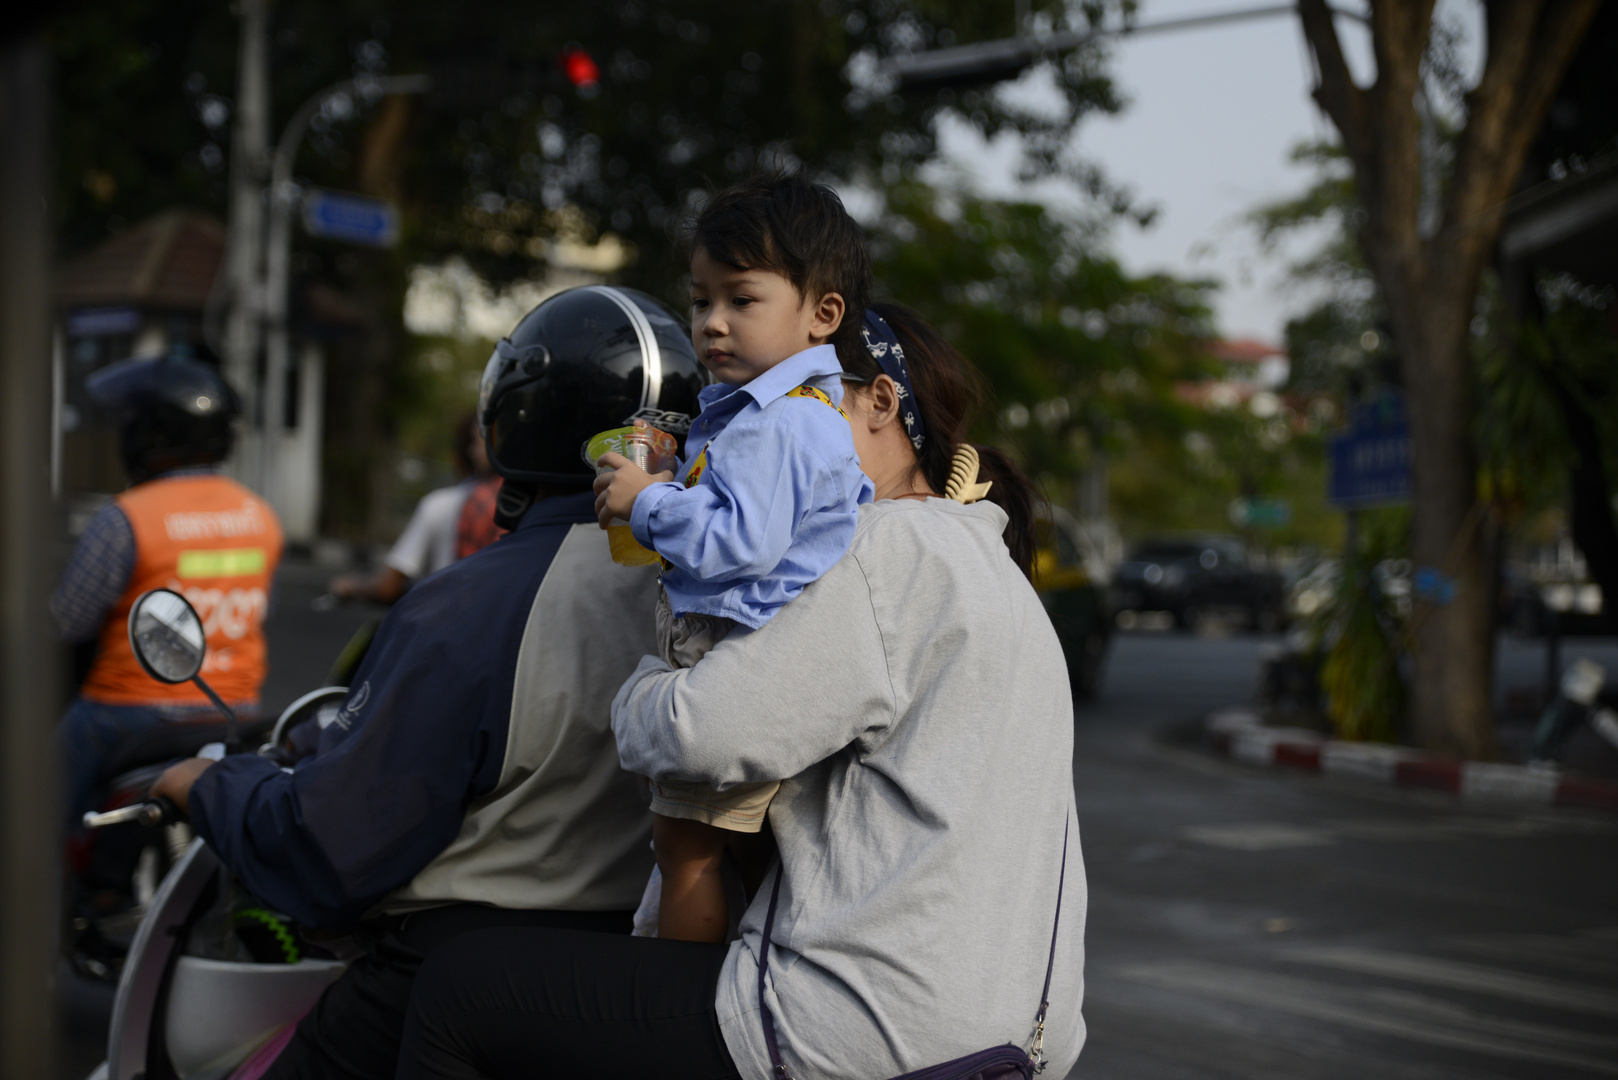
x: 168, y: 261
x: 1245, y: 350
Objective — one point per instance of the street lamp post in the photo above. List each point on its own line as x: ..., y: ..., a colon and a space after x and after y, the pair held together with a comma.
x: 284, y: 196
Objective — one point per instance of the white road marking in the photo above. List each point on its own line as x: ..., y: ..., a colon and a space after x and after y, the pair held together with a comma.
x: 1275, y: 835
x: 1460, y: 976
x: 1572, y: 954
x: 1379, y: 1012
x: 1259, y: 836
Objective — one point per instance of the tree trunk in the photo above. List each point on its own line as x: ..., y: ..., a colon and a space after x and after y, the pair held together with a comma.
x: 1453, y: 646
x: 1427, y: 273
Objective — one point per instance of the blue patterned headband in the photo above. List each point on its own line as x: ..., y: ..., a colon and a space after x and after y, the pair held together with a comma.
x: 884, y: 347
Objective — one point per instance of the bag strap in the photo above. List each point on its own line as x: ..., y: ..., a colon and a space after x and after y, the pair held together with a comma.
x: 1036, y: 1054
x: 773, y: 1044
x: 770, y: 1040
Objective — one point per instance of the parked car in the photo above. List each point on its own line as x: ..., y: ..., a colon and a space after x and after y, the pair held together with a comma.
x: 1190, y: 577
x: 1071, y: 582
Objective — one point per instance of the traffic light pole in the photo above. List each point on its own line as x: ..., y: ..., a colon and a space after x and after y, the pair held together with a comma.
x: 994, y: 61
x: 244, y: 250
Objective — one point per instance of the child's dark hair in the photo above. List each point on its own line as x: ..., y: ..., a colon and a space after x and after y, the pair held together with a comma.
x: 947, y: 389
x: 780, y: 221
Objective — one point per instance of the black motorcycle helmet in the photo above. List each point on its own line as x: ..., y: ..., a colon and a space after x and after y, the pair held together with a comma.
x: 172, y: 411
x: 585, y: 360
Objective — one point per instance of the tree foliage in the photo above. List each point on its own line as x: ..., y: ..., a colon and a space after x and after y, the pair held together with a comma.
x: 691, y: 93
x: 1430, y: 221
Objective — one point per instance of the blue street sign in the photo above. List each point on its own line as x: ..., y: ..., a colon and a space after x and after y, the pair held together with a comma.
x: 352, y: 219
x: 1370, y: 462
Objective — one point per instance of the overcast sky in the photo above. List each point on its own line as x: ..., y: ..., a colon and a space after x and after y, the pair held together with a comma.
x: 1213, y: 114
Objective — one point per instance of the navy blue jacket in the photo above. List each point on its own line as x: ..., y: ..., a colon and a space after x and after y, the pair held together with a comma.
x: 422, y: 735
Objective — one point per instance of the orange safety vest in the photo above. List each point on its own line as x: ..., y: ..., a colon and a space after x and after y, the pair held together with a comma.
x: 217, y: 544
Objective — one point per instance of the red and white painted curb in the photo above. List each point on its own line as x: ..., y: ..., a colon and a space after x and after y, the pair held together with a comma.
x: 1239, y: 733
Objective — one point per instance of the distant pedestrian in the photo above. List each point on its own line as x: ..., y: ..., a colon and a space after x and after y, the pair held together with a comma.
x: 435, y: 535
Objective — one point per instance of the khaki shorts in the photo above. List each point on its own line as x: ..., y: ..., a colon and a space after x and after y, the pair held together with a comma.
x: 682, y: 641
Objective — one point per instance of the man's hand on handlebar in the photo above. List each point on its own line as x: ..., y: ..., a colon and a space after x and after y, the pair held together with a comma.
x: 175, y: 783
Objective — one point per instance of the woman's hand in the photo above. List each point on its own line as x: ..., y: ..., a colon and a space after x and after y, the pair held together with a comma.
x: 617, y: 491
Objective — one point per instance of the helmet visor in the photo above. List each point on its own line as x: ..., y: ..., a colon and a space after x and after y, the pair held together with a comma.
x: 509, y: 367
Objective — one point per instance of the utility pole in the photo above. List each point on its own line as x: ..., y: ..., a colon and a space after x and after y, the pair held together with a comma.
x: 244, y: 253
x: 30, y: 809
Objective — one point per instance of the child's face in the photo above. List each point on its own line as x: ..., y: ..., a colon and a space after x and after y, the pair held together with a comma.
x: 744, y: 322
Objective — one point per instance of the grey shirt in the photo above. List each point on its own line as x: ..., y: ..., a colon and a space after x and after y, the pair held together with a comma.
x: 916, y: 698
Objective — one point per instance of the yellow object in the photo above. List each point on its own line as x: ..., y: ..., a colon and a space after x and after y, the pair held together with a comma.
x: 626, y: 550
x: 962, y: 485
x: 651, y: 449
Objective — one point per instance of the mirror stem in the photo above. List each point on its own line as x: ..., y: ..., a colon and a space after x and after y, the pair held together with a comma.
x: 232, y: 740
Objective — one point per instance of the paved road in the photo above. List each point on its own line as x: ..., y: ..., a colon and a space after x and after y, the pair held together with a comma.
x: 1252, y: 924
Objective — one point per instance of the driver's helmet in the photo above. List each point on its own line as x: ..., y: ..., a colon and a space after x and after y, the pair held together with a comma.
x: 584, y: 361
x: 172, y: 411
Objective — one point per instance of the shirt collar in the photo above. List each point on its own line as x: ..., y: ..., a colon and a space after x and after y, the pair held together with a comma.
x: 812, y: 363
x: 571, y: 509
x: 188, y: 470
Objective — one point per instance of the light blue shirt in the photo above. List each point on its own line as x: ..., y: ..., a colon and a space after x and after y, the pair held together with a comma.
x: 777, y: 504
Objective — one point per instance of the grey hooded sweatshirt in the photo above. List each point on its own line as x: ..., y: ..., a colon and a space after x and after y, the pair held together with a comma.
x: 916, y: 700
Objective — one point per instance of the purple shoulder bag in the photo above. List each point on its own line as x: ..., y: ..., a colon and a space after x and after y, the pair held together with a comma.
x: 995, y: 1063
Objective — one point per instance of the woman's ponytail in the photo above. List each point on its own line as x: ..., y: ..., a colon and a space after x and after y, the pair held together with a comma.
x: 1012, y: 491
x: 947, y: 389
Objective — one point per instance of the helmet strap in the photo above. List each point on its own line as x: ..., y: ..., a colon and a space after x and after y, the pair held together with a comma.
x: 512, y: 503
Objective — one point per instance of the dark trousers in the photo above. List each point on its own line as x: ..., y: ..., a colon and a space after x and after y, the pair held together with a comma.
x: 533, y: 1004
x: 353, y: 1031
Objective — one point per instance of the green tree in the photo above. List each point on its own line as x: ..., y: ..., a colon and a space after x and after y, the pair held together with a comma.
x: 507, y: 154
x: 1080, y: 356
x: 1428, y: 230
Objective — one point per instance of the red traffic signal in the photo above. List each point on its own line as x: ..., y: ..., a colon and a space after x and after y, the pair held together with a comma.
x: 580, y: 69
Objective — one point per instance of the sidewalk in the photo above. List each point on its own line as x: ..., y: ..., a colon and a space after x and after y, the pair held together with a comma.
x: 1239, y: 733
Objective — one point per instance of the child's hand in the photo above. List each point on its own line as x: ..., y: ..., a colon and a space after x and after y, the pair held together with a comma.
x: 616, y: 491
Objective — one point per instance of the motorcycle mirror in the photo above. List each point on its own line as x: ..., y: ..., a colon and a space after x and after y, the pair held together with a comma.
x: 165, y: 633
x: 166, y: 636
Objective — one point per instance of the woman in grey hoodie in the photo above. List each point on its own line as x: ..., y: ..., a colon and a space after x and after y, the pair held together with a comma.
x: 914, y: 702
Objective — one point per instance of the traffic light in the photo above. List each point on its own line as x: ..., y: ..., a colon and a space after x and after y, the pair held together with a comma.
x: 580, y: 68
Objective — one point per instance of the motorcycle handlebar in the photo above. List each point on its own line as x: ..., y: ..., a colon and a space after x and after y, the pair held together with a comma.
x: 151, y: 813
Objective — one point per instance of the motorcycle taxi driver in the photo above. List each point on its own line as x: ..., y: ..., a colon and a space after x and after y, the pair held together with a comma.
x: 471, y: 778
x: 181, y: 526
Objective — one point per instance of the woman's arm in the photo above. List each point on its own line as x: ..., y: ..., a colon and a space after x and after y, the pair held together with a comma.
x: 768, y: 704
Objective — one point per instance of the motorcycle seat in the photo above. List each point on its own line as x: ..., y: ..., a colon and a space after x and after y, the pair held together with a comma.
x: 180, y: 739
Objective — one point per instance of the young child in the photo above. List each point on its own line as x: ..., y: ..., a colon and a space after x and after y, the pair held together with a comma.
x: 769, y: 494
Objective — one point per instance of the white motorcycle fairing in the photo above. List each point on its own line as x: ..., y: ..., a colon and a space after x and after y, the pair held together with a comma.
x: 216, y: 1012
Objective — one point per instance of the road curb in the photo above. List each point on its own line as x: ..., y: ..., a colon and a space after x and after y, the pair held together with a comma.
x: 1239, y: 733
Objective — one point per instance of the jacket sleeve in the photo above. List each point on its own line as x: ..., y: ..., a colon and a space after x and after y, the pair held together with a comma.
x: 737, y: 524
x: 384, y: 795
x: 768, y: 704
x: 96, y: 578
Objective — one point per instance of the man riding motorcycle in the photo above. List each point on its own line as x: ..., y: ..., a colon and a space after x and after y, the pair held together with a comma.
x: 471, y: 778
x: 181, y: 526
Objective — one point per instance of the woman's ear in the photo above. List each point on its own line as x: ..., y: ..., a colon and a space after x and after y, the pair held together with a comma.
x: 881, y: 402
x: 828, y: 315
